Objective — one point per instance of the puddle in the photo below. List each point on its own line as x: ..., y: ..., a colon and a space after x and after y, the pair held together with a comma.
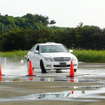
x: 86, y: 96
x: 50, y: 79
x: 58, y: 79
x: 80, y: 87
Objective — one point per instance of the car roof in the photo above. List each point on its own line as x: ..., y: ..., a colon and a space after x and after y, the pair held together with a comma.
x: 49, y: 43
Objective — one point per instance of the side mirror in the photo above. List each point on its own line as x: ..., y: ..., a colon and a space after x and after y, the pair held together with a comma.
x: 36, y: 52
x: 71, y: 51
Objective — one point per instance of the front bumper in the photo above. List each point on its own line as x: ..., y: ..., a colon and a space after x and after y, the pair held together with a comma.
x: 60, y: 65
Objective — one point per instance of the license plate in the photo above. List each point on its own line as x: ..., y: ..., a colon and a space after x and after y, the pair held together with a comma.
x: 62, y: 64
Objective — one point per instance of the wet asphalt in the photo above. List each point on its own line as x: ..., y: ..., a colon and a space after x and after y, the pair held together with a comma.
x: 87, y: 85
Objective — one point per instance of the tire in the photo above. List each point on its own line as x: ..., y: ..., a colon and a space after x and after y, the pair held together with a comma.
x: 75, y: 70
x: 58, y: 71
x: 43, y: 70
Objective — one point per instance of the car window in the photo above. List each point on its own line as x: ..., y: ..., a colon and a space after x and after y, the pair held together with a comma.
x: 37, y: 48
x: 34, y: 48
x: 53, y: 48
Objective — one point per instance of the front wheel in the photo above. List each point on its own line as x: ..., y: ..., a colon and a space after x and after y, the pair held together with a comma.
x: 75, y: 70
x: 43, y: 70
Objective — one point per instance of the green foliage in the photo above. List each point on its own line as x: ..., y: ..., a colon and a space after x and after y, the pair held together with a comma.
x: 17, y: 39
x: 87, y: 37
x: 21, y: 33
x: 90, y: 55
x: 35, y: 22
x: 14, y: 55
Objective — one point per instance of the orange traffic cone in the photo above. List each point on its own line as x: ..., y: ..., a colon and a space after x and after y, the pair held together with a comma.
x: 0, y: 78
x: 71, y: 79
x: 72, y: 92
x: 71, y: 70
x: 30, y: 70
x: 1, y: 72
x: 31, y: 78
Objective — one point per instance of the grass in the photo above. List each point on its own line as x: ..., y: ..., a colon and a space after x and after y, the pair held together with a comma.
x: 90, y: 55
x: 82, y: 55
x: 14, y: 55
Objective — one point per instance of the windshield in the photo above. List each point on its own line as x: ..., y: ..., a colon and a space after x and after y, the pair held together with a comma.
x: 53, y: 49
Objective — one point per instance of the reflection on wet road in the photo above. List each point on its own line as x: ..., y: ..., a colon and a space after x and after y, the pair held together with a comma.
x: 87, y: 96
x: 87, y: 73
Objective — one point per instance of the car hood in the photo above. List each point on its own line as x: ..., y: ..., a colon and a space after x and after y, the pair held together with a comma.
x: 52, y: 55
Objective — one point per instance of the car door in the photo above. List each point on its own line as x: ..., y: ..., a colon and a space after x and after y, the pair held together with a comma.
x: 31, y: 54
x: 35, y: 56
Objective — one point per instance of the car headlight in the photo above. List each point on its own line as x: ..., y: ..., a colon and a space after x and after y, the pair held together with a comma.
x: 48, y: 59
x: 73, y: 59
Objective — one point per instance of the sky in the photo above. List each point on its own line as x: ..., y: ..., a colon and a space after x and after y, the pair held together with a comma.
x: 66, y: 13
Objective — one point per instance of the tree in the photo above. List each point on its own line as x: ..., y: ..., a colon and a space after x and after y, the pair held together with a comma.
x: 52, y: 22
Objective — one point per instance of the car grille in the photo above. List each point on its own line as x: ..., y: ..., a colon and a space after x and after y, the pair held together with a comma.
x: 62, y: 59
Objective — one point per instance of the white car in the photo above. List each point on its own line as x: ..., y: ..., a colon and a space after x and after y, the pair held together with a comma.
x: 49, y: 56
